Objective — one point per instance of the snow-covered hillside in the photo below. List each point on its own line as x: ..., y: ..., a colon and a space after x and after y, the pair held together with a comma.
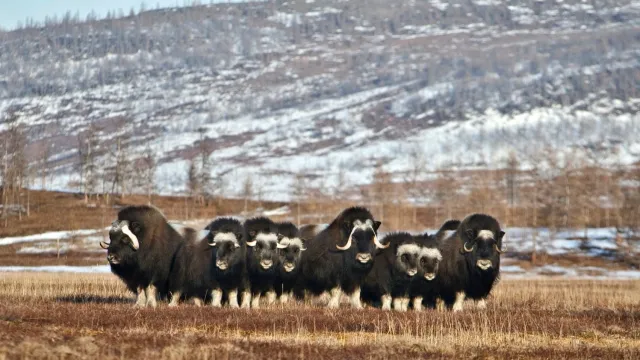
x: 329, y: 87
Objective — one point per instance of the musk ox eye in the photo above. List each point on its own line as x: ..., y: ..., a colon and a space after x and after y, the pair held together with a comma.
x: 405, y: 258
x: 423, y: 261
x: 273, y: 246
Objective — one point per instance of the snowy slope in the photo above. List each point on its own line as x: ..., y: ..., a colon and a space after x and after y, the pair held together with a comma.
x: 325, y: 87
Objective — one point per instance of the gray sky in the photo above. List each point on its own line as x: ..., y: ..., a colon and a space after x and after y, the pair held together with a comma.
x: 14, y: 11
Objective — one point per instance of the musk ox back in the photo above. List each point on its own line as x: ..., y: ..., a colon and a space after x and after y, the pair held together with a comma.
x: 155, y: 242
x: 228, y: 261
x: 290, y: 247
x: 262, y: 258
x: 394, y: 270
x: 339, y: 257
x: 471, y: 261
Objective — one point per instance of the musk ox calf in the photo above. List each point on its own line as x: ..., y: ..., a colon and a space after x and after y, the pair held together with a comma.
x: 471, y: 261
x: 290, y: 247
x: 339, y: 257
x: 261, y: 235
x: 394, y: 269
x: 226, y: 240
x: 424, y: 289
x: 145, y: 231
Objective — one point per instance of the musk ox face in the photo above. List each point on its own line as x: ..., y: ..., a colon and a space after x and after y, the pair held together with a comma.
x: 430, y: 258
x: 125, y: 232
x: 227, y: 248
x: 225, y: 238
x: 290, y: 252
x: 262, y: 239
x: 265, y: 247
x: 483, y: 247
x: 362, y: 237
x: 119, y: 251
x: 407, y: 259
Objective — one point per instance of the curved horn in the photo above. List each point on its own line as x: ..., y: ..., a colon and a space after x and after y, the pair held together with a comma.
x: 104, y: 245
x: 134, y: 239
x: 252, y: 243
x: 504, y: 248
x: 212, y: 243
x: 465, y: 248
x: 379, y: 245
x: 282, y: 246
x: 347, y: 245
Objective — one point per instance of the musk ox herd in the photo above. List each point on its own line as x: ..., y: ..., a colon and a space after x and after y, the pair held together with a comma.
x: 238, y: 264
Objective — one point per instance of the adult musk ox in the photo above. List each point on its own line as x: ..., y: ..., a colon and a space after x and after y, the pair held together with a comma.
x: 394, y: 269
x: 309, y: 231
x: 471, y: 261
x: 192, y: 270
x: 226, y: 240
x: 261, y: 236
x: 146, y: 231
x: 340, y: 256
x: 290, y: 247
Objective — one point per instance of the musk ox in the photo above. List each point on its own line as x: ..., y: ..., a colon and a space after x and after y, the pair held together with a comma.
x: 192, y: 270
x: 471, y: 261
x: 146, y: 231
x: 226, y: 240
x: 339, y: 257
x: 424, y: 289
x: 261, y: 236
x: 290, y: 247
x: 394, y: 269
x: 123, y: 261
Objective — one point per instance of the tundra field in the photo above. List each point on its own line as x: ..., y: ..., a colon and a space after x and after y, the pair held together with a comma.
x: 49, y: 315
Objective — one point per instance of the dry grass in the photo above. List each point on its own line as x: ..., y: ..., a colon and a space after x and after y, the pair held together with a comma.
x: 91, y: 316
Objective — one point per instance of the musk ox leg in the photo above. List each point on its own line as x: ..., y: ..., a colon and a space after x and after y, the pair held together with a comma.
x: 398, y: 304
x: 482, y: 304
x: 216, y: 298
x: 255, y: 301
x: 355, y: 299
x: 233, y: 298
x: 405, y: 303
x: 334, y: 301
x: 175, y: 298
x: 151, y: 292
x: 197, y: 301
x: 271, y: 297
x: 141, y: 299
x: 440, y: 306
x: 246, y: 299
x: 417, y: 303
x: 386, y: 302
x: 323, y: 298
x: 284, y: 297
x: 457, y: 306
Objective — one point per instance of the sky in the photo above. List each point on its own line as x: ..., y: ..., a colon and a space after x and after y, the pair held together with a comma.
x: 14, y: 11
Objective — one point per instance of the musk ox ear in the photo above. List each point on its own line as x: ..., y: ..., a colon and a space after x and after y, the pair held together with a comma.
x: 239, y: 236
x: 376, y: 225
x: 500, y: 235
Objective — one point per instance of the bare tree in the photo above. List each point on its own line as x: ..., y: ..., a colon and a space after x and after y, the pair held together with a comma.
x: 247, y: 192
x: 300, y: 190
x: 87, y: 153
